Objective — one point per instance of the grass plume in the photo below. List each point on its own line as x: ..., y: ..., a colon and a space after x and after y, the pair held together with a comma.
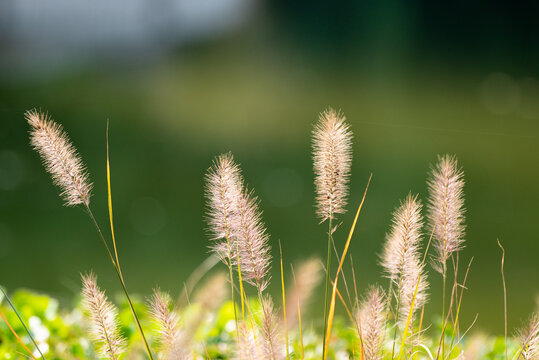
x: 251, y: 240
x: 332, y: 162
x: 332, y: 159
x: 271, y: 331
x: 60, y: 158
x: 404, y: 240
x: 529, y: 339
x: 371, y: 316
x: 104, y: 318
x: 307, y: 277
x: 224, y: 186
x: 446, y: 209
x: 165, y: 319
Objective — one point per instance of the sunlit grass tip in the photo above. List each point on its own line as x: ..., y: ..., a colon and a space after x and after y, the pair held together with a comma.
x: 446, y: 209
x: 223, y: 192
x: 252, y: 242
x: 166, y: 320
x: 528, y: 338
x: 60, y: 158
x: 404, y: 239
x: 332, y: 161
x: 372, y: 318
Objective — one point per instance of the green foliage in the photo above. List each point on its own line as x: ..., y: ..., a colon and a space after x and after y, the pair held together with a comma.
x: 62, y: 333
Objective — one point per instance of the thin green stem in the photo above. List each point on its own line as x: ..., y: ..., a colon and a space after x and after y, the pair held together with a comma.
x: 443, y: 307
x: 120, y: 277
x: 327, y: 283
x: 232, y: 285
x: 22, y: 322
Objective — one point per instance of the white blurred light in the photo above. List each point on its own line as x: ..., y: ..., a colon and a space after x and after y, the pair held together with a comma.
x: 66, y: 25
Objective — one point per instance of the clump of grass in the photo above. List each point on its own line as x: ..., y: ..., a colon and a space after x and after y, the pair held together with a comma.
x: 387, y: 324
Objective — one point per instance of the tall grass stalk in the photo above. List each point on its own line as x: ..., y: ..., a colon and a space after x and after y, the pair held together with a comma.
x: 69, y: 173
x: 332, y: 159
x: 122, y: 283
x: 331, y: 312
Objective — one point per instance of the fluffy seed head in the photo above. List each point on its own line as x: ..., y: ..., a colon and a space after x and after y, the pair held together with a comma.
x: 529, y: 339
x: 372, y: 319
x: 271, y: 336
x: 251, y: 243
x: 212, y: 293
x: 223, y: 193
x: 181, y: 347
x: 332, y: 158
x: 246, y: 344
x: 404, y: 240
x: 306, y: 279
x: 446, y: 209
x: 60, y: 158
x: 165, y: 319
x: 103, y: 315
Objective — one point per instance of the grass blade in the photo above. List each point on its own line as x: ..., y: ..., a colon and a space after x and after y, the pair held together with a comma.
x: 284, y: 303
x: 116, y: 263
x: 334, y: 292
x: 110, y: 204
x: 504, y: 296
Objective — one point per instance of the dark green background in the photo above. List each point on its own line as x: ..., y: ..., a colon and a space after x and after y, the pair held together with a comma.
x: 414, y: 79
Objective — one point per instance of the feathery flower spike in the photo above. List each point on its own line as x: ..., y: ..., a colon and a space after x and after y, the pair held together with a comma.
x: 307, y: 277
x: 372, y: 319
x: 104, y: 318
x: 529, y: 339
x: 223, y: 193
x: 272, y: 340
x: 446, y: 209
x: 413, y: 272
x: 166, y: 320
x: 246, y: 346
x: 60, y: 158
x: 251, y: 241
x: 403, y: 241
x: 332, y: 157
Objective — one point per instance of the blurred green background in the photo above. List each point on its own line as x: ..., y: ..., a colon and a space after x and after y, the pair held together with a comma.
x: 184, y: 80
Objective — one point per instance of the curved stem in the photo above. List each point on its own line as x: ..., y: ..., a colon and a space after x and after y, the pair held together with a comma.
x: 120, y: 277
